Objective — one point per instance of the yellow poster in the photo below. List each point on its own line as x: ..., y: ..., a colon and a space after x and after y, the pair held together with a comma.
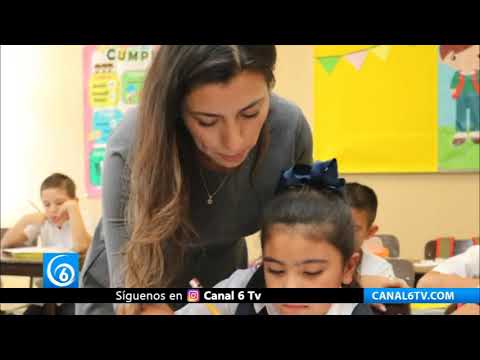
x: 376, y: 107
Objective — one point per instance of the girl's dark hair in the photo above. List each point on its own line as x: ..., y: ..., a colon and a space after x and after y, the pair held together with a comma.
x: 326, y: 213
x: 362, y: 197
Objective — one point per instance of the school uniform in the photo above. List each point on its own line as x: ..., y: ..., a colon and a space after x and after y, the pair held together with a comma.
x: 374, y: 265
x: 253, y: 278
x: 50, y: 234
x: 466, y: 264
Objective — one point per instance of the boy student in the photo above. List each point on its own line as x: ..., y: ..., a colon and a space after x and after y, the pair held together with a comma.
x: 60, y: 225
x: 465, y: 89
x: 374, y: 271
x: 456, y: 272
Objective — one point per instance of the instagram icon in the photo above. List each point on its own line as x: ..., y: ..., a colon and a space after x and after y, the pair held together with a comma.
x: 193, y: 295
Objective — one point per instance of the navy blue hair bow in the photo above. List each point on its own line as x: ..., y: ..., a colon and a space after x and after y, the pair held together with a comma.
x: 321, y: 175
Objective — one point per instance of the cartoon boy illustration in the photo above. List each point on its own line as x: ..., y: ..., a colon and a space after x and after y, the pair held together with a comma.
x: 465, y: 59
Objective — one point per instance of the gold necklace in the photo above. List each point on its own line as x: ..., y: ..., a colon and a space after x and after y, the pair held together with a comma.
x: 210, y: 196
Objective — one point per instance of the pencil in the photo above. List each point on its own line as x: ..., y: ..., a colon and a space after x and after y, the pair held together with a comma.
x: 39, y: 239
x: 35, y: 206
x: 212, y: 308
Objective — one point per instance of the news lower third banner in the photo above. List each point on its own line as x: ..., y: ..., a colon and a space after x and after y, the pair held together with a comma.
x: 215, y: 295
x: 61, y: 275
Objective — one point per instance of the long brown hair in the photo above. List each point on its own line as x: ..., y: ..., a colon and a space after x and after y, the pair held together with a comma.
x: 160, y: 163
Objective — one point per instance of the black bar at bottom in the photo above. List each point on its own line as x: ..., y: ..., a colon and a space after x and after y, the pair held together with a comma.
x: 58, y: 295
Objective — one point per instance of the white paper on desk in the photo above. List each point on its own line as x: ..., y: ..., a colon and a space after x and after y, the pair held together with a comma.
x: 33, y: 252
x: 435, y: 262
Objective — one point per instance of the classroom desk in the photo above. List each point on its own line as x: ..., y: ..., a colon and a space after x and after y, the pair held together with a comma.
x: 30, y: 268
x: 420, y: 270
x: 16, y: 267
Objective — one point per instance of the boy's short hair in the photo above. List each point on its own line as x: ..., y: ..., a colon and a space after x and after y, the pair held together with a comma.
x: 447, y: 49
x: 362, y: 197
x: 61, y: 181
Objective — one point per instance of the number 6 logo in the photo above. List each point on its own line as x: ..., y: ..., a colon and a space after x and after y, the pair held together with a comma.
x: 61, y: 270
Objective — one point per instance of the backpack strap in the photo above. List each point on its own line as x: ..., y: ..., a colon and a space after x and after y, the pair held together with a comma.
x: 459, y: 88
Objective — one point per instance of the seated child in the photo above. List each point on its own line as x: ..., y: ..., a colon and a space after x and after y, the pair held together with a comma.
x: 61, y: 225
x: 456, y: 272
x: 375, y: 272
x: 307, y: 240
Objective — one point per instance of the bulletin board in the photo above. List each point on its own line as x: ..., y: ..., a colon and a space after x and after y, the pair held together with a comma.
x: 113, y: 78
x: 386, y: 109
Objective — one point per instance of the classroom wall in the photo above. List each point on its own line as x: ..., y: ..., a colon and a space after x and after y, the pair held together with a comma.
x: 41, y: 125
x: 414, y: 207
x: 42, y: 132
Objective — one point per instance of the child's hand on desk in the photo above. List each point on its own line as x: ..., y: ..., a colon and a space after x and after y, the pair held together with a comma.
x: 467, y: 309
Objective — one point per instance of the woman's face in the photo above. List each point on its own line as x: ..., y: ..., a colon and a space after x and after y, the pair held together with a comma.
x: 292, y: 259
x: 225, y: 119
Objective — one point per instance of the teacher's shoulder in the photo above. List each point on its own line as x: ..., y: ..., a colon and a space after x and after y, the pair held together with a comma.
x: 123, y: 135
x: 285, y: 116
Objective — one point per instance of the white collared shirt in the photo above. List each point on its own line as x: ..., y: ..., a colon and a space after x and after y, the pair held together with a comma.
x: 466, y: 264
x: 50, y: 234
x: 374, y: 265
x: 53, y: 236
x: 240, y: 279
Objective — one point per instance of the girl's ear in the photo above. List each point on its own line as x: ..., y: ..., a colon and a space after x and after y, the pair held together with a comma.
x: 350, y: 268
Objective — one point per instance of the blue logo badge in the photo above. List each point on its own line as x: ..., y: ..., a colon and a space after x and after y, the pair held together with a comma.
x: 60, y: 270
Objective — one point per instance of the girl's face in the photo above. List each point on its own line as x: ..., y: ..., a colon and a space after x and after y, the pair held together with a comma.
x: 292, y: 259
x: 225, y: 120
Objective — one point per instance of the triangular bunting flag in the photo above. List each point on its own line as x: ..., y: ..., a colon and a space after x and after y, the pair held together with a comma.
x: 357, y: 59
x: 329, y: 62
x: 382, y: 51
